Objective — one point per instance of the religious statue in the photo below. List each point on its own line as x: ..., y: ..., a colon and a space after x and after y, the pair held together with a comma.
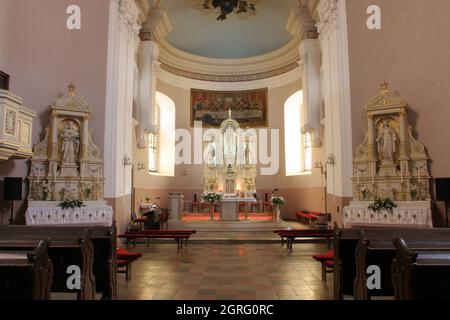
x: 69, y: 136
x: 211, y: 153
x: 248, y: 157
x: 230, y: 146
x: 387, y: 142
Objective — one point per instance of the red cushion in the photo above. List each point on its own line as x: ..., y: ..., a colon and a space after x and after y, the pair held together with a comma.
x: 122, y: 263
x: 329, y: 263
x: 325, y: 256
x: 123, y: 254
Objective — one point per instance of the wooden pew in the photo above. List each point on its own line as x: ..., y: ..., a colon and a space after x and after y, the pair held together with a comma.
x: 419, y: 275
x: 291, y: 235
x: 164, y: 232
x: 375, y: 247
x: 345, y: 241
x: 65, y: 250
x: 26, y: 275
x: 178, y: 237
x: 104, y: 245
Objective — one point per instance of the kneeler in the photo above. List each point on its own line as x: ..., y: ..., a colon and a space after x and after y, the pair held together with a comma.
x: 124, y: 260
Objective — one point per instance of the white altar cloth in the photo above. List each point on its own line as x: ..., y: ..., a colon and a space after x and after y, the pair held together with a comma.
x: 98, y: 215
x: 407, y: 214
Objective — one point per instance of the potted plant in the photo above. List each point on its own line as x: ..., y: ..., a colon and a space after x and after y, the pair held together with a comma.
x: 277, y: 202
x: 212, y: 198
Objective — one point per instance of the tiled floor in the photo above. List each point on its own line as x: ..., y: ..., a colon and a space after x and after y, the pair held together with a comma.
x: 225, y: 271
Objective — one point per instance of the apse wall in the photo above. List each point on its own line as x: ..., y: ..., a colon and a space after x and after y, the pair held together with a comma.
x: 304, y: 192
x: 42, y: 57
x: 410, y: 53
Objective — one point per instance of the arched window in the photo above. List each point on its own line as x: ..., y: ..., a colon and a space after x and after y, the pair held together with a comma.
x: 298, y: 147
x: 161, y: 158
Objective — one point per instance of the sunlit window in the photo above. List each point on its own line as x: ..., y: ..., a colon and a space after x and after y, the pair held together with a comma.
x: 307, y: 152
x: 298, y: 147
x: 153, y: 152
x: 161, y: 151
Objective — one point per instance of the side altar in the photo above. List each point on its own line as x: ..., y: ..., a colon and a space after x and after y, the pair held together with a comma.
x: 66, y: 163
x: 390, y: 163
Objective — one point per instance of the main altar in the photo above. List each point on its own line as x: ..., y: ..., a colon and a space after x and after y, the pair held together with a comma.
x: 390, y: 163
x: 230, y: 167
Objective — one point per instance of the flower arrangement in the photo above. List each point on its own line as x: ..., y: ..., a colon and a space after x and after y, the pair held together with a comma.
x: 382, y: 204
x: 211, y: 197
x: 278, y: 201
x: 71, y: 203
x: 87, y: 191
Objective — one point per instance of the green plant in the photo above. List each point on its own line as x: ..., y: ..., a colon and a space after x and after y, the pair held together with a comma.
x: 211, y: 197
x: 71, y: 203
x: 278, y: 201
x: 414, y: 192
x: 365, y: 192
x: 382, y: 204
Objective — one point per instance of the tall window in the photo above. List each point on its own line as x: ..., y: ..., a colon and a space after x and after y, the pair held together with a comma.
x: 298, y: 147
x: 307, y: 151
x: 161, y: 157
x: 153, y: 152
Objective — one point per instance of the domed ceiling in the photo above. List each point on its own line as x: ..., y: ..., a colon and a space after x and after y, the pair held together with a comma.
x: 200, y: 32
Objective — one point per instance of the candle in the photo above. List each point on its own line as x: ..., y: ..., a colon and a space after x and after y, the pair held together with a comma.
x: 401, y: 172
x: 373, y: 174
x: 418, y: 175
x: 98, y: 176
x: 357, y: 176
x: 39, y: 174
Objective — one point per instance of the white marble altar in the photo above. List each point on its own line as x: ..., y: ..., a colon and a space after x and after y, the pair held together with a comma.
x: 66, y: 162
x: 390, y: 163
x: 230, y: 207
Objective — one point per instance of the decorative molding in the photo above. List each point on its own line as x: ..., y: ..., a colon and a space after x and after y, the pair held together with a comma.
x: 230, y: 78
x: 327, y: 11
x: 180, y: 60
x: 274, y: 82
x: 128, y: 18
x: 156, y: 26
x: 301, y: 24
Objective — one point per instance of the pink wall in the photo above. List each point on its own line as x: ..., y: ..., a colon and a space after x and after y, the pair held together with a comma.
x: 411, y: 53
x: 43, y: 57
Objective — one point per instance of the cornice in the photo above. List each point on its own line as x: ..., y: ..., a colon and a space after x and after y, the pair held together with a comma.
x: 179, y: 60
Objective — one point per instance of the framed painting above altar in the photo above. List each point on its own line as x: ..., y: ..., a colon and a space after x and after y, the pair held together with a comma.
x: 249, y: 108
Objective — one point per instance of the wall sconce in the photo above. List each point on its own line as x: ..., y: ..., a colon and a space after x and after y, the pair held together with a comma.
x: 331, y: 160
x: 127, y: 161
x: 141, y: 166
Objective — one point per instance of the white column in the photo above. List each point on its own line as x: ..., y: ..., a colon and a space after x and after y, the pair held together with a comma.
x: 148, y: 66
x: 122, y: 46
x: 332, y: 27
x: 310, y: 58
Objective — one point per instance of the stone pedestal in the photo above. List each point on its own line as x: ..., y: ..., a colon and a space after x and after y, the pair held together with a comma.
x: 175, y: 205
x: 229, y: 211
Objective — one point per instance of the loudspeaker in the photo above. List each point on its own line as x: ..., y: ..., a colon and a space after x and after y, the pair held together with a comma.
x: 12, y: 189
x: 443, y: 189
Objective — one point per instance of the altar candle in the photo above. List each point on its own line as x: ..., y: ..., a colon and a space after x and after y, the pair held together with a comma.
x: 98, y: 176
x: 401, y: 173
x: 357, y: 176
x: 418, y: 175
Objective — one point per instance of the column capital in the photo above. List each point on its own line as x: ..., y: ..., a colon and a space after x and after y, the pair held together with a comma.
x: 128, y: 17
x: 300, y: 23
x: 156, y: 26
x: 327, y: 12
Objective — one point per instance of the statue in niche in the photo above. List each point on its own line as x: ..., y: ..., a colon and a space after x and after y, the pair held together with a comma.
x: 387, y: 142
x: 211, y: 153
x: 230, y: 146
x: 70, y: 137
x: 248, y: 155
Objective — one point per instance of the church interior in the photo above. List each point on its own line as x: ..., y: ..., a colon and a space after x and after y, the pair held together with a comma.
x: 224, y: 150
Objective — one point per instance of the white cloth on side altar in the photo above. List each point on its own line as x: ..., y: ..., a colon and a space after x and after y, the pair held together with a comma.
x: 89, y: 215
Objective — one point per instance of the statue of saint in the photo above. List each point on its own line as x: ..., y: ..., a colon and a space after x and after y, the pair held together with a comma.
x: 387, y: 142
x: 69, y: 136
x: 230, y: 146
x: 248, y: 157
x: 211, y: 153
